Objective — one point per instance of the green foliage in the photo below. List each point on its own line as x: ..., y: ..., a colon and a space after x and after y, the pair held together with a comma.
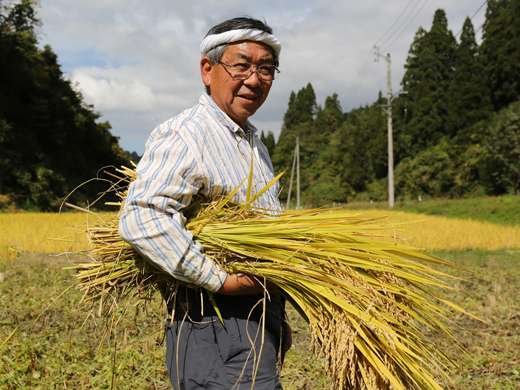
x: 429, y: 73
x: 500, y: 163
x: 59, y: 344
x: 42, y: 185
x: 482, y: 159
x: 500, y: 51
x: 429, y: 173
x: 324, y: 183
x: 502, y: 210
x: 452, y: 134
x: 297, y: 121
x: 469, y: 97
x: 269, y: 141
x: 330, y: 117
x: 50, y: 140
x: 362, y: 147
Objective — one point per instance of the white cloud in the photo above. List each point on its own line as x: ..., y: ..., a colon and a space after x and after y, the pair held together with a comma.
x: 143, y: 61
x: 124, y: 89
x: 109, y: 94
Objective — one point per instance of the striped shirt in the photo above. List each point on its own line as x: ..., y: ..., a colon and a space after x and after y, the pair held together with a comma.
x: 200, y: 151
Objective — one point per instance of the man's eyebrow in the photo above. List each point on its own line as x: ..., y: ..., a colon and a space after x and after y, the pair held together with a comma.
x: 244, y: 56
x: 266, y: 59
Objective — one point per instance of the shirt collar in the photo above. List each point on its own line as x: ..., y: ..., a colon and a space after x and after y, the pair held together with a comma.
x: 224, y: 119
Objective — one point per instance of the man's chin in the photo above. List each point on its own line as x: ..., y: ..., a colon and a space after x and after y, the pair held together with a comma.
x: 246, y: 110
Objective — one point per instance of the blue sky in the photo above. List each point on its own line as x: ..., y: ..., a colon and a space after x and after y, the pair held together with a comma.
x: 137, y: 61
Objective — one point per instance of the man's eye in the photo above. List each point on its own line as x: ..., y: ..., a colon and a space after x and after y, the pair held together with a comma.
x: 242, y: 67
x: 266, y: 70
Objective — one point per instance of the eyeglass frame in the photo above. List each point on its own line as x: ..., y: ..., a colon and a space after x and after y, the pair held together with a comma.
x: 251, y: 71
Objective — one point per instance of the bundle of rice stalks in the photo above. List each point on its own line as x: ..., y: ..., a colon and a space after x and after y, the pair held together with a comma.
x: 368, y: 300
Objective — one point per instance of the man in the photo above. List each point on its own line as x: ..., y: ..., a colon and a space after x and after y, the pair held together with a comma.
x: 206, y: 151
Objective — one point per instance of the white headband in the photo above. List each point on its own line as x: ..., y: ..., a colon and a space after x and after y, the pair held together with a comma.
x: 214, y: 40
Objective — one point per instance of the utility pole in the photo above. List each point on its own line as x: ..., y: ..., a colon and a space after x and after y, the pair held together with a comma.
x: 291, y: 179
x: 295, y: 165
x: 297, y: 172
x: 388, y: 59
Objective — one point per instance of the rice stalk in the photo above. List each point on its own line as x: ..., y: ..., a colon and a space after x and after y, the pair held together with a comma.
x: 369, y: 300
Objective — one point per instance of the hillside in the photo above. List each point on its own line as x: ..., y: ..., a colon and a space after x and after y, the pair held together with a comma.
x: 50, y: 139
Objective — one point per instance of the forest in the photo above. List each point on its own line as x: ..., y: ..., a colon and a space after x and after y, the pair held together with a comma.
x: 456, y: 122
x: 51, y: 141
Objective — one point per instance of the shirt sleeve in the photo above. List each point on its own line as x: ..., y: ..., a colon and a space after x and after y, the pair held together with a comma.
x: 152, y: 221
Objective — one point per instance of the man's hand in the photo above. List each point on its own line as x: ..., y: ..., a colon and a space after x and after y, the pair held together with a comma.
x: 241, y: 284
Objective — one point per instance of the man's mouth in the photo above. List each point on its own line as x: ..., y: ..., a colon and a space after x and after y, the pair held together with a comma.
x: 250, y: 98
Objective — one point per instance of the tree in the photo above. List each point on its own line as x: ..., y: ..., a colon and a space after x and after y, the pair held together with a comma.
x: 329, y: 119
x: 298, y: 122
x: 469, y: 97
x: 51, y: 141
x: 501, y: 51
x: 362, y: 147
x: 323, y: 172
x: 5, y: 135
x: 430, y: 172
x: 499, y: 166
x: 269, y: 141
x: 429, y: 72
x: 20, y: 17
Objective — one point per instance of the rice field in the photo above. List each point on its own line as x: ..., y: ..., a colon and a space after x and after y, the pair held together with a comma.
x: 58, y: 344
x: 445, y: 233
x: 44, y: 232
x: 65, y: 232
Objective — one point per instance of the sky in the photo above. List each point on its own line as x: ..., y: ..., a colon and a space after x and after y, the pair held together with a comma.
x: 137, y: 61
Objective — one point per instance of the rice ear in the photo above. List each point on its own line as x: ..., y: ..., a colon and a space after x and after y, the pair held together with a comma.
x: 368, y: 299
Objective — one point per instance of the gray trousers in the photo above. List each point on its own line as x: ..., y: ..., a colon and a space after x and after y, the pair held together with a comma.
x: 204, y: 353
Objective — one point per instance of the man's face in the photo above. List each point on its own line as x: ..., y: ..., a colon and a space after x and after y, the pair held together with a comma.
x: 239, y: 99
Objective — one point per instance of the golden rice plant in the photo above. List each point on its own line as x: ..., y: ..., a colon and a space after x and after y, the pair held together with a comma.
x: 369, y: 300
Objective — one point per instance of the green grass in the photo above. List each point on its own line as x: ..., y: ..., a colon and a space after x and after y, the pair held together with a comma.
x: 60, y: 349
x: 489, y: 290
x: 56, y: 351
x: 503, y: 210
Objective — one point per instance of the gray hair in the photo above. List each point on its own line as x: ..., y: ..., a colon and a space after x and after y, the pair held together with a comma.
x: 215, y: 54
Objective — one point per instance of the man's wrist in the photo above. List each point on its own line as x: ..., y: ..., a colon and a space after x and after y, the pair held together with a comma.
x: 216, y: 281
x: 240, y: 284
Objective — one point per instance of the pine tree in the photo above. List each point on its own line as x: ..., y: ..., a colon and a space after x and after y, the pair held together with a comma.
x: 269, y: 141
x: 362, y: 147
x: 298, y: 121
x: 323, y: 169
x: 413, y: 77
x: 51, y: 140
x: 429, y: 72
x: 329, y: 119
x: 501, y: 51
x: 469, y: 95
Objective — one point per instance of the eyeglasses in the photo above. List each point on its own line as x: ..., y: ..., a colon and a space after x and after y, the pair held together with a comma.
x: 244, y: 70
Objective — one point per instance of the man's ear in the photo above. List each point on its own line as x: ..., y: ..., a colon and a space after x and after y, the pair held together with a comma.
x: 205, y: 71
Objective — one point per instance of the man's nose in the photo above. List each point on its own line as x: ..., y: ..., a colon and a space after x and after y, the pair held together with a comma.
x: 253, y: 80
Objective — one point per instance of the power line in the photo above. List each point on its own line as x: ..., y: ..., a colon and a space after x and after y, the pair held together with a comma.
x: 394, y: 23
x: 474, y: 14
x: 405, y: 26
x: 405, y: 20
